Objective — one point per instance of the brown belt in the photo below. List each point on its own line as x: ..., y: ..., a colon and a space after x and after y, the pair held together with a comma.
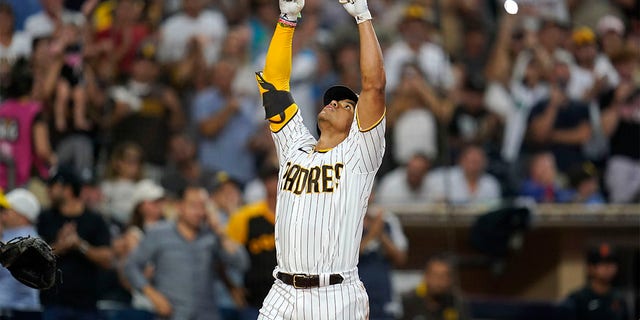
x: 305, y: 281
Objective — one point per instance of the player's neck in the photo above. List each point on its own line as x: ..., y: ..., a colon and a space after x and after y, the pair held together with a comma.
x: 329, y: 140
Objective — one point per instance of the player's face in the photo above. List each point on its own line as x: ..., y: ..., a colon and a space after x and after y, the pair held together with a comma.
x: 338, y: 114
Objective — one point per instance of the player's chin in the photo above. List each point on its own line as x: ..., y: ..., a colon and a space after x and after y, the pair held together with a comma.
x: 323, y: 116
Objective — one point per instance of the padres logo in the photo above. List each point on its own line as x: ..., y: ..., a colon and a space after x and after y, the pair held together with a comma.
x: 298, y: 179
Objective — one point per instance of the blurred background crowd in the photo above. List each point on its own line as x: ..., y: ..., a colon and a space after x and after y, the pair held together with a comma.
x: 131, y: 111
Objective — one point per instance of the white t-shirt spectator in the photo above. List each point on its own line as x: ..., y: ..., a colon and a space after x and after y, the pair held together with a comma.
x: 393, y: 189
x: 415, y: 131
x: 582, y: 80
x: 431, y: 58
x: 20, y: 46
x: 118, y: 202
x: 179, y: 29
x: 41, y: 24
x: 450, y: 184
x: 551, y: 9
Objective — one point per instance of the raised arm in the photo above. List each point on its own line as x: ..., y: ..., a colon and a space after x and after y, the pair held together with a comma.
x: 277, y: 67
x: 371, y: 103
x: 273, y: 82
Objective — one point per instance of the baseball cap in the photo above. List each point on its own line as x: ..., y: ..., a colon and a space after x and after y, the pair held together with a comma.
x: 610, y: 23
x: 601, y: 253
x: 418, y: 12
x: 3, y: 200
x: 147, y: 190
x: 220, y: 179
x: 147, y: 50
x: 24, y: 202
x: 339, y: 93
x: 583, y: 35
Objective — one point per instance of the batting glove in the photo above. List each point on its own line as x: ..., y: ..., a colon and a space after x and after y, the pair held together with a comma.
x: 357, y: 9
x: 290, y: 9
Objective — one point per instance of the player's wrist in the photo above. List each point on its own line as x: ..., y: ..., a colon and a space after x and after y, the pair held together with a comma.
x: 288, y: 19
x: 362, y: 17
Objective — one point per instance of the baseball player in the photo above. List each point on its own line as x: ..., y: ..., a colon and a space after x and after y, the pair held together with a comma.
x: 324, y: 184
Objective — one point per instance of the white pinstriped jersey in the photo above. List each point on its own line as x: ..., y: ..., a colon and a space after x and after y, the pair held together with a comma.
x: 323, y: 197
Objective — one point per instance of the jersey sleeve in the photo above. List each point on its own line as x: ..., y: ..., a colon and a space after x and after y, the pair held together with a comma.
x: 365, y: 147
x: 287, y: 126
x: 291, y: 136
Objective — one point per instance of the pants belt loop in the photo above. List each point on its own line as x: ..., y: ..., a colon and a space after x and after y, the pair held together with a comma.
x: 324, y: 279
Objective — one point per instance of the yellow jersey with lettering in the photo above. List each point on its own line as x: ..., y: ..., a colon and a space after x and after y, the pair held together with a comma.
x: 253, y: 226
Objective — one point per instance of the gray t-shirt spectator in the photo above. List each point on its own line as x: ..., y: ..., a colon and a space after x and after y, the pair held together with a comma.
x: 184, y: 271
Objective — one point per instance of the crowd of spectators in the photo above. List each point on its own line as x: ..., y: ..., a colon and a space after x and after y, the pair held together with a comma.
x: 144, y: 99
x: 83, y: 80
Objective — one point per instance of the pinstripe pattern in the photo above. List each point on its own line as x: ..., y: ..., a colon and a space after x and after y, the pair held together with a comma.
x: 321, y: 203
x: 346, y: 301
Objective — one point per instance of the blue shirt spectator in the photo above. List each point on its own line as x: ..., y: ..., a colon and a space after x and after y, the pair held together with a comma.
x: 23, y: 9
x: 541, y: 184
x: 226, y: 123
x: 584, y: 186
x: 542, y: 193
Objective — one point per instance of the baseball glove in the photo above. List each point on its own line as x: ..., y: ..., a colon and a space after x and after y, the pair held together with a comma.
x: 30, y: 260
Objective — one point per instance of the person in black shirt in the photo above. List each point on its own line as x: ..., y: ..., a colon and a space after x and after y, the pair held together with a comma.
x: 472, y: 122
x: 621, y: 123
x: 598, y: 300
x: 560, y: 124
x: 81, y: 240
